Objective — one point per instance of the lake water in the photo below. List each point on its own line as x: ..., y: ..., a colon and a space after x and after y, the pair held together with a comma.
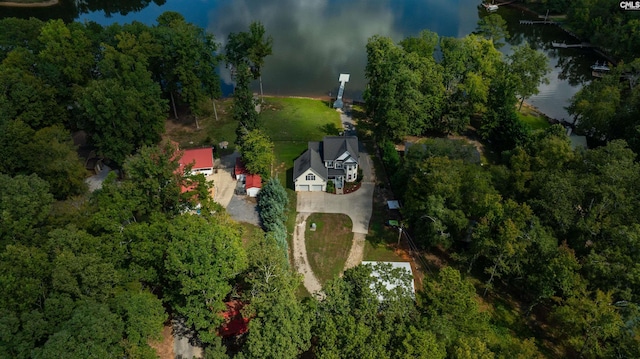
x: 316, y: 40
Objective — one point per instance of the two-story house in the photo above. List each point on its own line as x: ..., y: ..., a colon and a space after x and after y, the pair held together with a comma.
x: 335, y: 158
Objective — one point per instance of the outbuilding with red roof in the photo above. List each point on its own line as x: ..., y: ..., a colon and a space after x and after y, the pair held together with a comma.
x: 240, y: 170
x: 200, y: 158
x: 253, y: 184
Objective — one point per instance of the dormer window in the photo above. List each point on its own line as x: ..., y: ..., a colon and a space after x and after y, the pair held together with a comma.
x: 338, y: 165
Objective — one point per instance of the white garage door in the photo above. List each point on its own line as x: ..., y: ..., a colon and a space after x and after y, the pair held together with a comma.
x: 303, y: 187
x: 316, y: 187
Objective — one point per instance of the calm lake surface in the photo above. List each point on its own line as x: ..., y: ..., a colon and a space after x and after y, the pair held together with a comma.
x: 316, y: 40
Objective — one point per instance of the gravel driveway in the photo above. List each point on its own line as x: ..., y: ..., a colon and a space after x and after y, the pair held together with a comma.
x: 244, y: 209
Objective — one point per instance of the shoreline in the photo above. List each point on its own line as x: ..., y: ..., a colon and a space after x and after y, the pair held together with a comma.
x: 596, y: 49
x: 34, y: 4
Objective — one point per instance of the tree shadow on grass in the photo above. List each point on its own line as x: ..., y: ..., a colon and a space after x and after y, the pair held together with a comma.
x: 328, y: 103
x: 289, y: 181
x: 330, y: 129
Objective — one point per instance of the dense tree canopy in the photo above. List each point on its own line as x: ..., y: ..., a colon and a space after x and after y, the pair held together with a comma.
x: 98, y: 274
x: 108, y: 81
x: 413, y: 91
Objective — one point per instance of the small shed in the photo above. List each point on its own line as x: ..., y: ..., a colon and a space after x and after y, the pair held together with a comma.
x: 253, y: 184
x: 393, y: 204
x: 240, y: 171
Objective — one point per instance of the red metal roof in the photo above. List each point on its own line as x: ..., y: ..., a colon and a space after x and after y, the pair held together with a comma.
x: 253, y: 181
x: 234, y: 323
x: 240, y: 169
x: 199, y: 157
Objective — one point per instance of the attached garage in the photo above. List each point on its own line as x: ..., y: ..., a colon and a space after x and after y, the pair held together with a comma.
x: 303, y: 188
x: 316, y: 188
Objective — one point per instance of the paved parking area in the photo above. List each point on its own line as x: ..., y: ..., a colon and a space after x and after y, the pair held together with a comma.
x: 356, y: 205
x: 223, y: 180
x: 244, y: 209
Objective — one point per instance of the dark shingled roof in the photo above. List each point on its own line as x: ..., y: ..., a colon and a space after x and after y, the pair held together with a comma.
x: 310, y: 159
x: 334, y: 146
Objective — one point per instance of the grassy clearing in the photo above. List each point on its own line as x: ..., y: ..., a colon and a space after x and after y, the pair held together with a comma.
x: 381, y: 241
x: 296, y: 119
x: 328, y: 246
x: 291, y: 123
x: 208, y: 131
x: 286, y: 152
x: 250, y: 233
x: 532, y: 118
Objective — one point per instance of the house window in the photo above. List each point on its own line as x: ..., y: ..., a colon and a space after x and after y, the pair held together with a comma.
x: 329, y: 164
x: 338, y: 165
x: 311, y: 177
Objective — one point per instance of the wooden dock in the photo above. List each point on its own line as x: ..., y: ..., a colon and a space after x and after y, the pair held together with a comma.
x: 562, y: 45
x: 537, y: 22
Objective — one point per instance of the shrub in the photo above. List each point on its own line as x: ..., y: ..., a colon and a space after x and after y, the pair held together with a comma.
x: 331, y: 187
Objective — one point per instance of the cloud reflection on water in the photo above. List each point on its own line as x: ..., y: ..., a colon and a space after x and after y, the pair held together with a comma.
x: 316, y: 40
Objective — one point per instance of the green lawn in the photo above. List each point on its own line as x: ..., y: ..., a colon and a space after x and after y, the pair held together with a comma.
x: 249, y: 233
x: 296, y: 119
x: 286, y: 152
x: 328, y: 246
x: 534, y: 120
x: 291, y: 123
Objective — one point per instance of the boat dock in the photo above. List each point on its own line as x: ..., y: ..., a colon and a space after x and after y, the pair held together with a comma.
x: 536, y: 22
x: 562, y: 45
x: 494, y: 7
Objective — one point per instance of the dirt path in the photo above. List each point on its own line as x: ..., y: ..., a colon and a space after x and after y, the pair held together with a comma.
x: 164, y: 347
x: 356, y: 253
x: 300, y: 260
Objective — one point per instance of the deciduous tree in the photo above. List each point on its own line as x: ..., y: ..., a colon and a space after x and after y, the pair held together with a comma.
x: 244, y: 107
x: 187, y: 60
x: 201, y: 260
x: 280, y: 325
x: 529, y: 68
x: 124, y: 111
x: 257, y: 153
x: 589, y: 321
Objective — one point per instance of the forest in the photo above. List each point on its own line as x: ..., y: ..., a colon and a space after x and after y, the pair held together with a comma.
x: 553, y: 226
x: 98, y: 275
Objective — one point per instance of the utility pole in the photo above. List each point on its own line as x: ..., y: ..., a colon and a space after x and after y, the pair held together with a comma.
x: 400, y: 233
x: 213, y: 100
